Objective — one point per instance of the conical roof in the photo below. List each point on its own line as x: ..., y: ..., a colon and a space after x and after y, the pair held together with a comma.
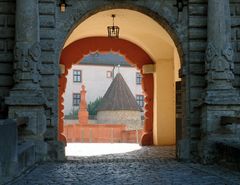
x: 118, y: 97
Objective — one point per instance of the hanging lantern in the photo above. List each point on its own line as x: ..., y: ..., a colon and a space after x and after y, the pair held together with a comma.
x: 113, y: 31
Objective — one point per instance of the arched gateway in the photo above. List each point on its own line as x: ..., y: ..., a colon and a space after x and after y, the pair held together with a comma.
x: 165, y: 34
x: 73, y: 53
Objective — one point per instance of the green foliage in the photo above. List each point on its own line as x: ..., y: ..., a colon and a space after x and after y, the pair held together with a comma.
x: 73, y: 114
x: 92, y: 106
x: 92, y: 109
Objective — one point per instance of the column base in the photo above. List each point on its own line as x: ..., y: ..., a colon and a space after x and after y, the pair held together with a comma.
x: 211, y: 127
x: 147, y: 139
x: 30, y: 96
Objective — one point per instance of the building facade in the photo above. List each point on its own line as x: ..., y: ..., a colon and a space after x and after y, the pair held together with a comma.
x: 96, y: 72
x: 34, y: 62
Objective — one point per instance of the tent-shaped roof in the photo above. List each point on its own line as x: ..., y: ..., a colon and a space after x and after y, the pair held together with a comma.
x: 118, y: 97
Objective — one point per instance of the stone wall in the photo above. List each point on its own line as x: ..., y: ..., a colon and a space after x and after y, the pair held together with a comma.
x: 7, y: 33
x: 197, y: 47
x: 235, y: 18
x: 132, y: 119
x: 49, y: 70
x: 196, y: 53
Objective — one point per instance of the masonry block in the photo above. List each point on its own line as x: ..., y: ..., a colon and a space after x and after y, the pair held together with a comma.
x: 6, y: 80
x: 47, y: 9
x: 6, y: 57
x: 197, y: 81
x: 7, y: 7
x: 197, y: 69
x: 2, y: 45
x: 237, y: 9
x: 10, y: 45
x: 196, y: 93
x: 197, y: 22
x: 47, y: 34
x: 47, y: 21
x: 48, y: 81
x: 2, y: 20
x: 197, y: 9
x: 235, y: 21
x: 47, y: 45
x: 49, y: 92
x: 197, y: 57
x: 197, y: 46
x: 11, y: 21
x: 47, y: 57
x: 198, y: 33
x: 6, y: 33
x: 6, y: 69
x: 8, y: 148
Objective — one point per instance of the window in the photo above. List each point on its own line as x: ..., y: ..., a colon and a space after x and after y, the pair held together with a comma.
x: 77, y: 76
x: 138, y: 78
x: 76, y: 99
x: 140, y: 100
x: 109, y: 74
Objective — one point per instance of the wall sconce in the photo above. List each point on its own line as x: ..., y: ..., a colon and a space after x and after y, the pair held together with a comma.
x: 63, y: 5
x: 180, y: 5
x: 113, y: 31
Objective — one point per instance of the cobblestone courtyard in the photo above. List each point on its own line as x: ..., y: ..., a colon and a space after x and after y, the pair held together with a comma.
x: 147, y: 166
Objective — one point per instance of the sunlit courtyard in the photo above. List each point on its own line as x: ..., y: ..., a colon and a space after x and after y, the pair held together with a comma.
x: 96, y: 149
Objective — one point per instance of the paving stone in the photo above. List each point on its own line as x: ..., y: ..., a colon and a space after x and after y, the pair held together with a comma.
x: 150, y: 165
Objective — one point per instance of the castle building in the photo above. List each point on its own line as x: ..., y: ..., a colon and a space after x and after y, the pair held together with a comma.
x: 96, y: 71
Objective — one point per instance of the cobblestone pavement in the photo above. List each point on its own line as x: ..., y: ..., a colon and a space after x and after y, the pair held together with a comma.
x: 147, y: 166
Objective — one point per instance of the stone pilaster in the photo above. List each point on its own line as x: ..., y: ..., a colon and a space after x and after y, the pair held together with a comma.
x: 26, y: 98
x: 220, y: 98
x: 219, y: 54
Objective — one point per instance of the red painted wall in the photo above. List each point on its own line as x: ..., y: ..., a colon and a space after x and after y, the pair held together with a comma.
x: 100, y: 133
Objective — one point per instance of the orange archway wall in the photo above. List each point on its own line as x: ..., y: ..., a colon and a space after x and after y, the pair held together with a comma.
x: 75, y: 52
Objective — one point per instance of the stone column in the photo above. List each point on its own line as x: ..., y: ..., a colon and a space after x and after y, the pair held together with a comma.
x: 27, y: 99
x: 27, y: 49
x: 220, y: 98
x: 83, y: 113
x: 219, y: 53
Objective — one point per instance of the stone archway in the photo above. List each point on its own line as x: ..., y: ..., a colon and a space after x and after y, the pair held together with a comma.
x: 74, y: 52
x: 177, y: 36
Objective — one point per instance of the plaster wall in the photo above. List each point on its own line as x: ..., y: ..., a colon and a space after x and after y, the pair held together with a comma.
x: 164, y: 104
x: 97, y: 83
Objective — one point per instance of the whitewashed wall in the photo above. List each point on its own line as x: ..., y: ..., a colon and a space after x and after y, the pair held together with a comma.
x: 96, y: 82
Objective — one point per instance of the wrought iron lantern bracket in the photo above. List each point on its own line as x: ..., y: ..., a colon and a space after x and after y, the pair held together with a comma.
x: 113, y: 31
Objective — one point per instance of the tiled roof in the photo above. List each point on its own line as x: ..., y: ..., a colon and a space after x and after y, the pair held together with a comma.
x: 118, y: 97
x: 109, y: 59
